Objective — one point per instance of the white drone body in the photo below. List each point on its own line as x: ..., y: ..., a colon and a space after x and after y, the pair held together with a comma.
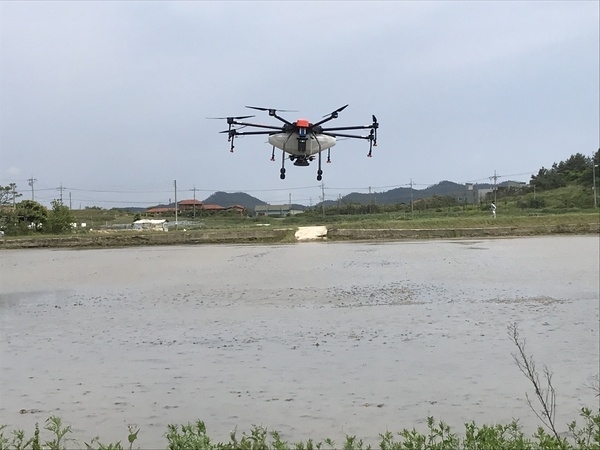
x: 301, y: 140
x: 289, y: 143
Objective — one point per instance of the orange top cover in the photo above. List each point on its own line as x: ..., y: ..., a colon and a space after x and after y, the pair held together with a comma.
x: 302, y: 123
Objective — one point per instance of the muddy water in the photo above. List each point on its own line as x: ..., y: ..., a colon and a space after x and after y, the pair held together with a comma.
x: 314, y: 340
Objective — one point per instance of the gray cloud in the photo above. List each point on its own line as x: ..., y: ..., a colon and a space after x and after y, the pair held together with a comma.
x: 113, y: 96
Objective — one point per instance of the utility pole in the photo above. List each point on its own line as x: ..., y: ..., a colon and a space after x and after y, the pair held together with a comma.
x: 495, y: 178
x: 412, y: 210
x: 31, y: 181
x: 70, y: 206
x: 323, y: 198
x: 175, y: 185
x: 194, y: 189
x: 61, y: 189
x: 594, y: 165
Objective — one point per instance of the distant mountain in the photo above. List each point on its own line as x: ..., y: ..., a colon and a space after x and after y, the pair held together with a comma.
x: 403, y: 194
x: 238, y: 198
x: 393, y: 196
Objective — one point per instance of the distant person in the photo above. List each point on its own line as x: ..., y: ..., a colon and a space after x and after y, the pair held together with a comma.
x: 493, y: 209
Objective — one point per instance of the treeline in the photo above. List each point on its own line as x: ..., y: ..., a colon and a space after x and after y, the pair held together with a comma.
x: 578, y: 170
x: 30, y: 217
x: 435, y: 203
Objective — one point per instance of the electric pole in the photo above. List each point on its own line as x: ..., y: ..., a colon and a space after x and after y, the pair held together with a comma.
x: 194, y: 189
x: 61, y: 189
x: 175, y: 186
x: 31, y: 181
x: 594, y: 165
x: 323, y: 198
x: 412, y: 210
x: 495, y: 178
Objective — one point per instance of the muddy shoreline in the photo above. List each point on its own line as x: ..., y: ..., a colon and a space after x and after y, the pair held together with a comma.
x: 119, y: 239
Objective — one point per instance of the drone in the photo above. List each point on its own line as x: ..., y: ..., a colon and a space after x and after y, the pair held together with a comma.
x: 301, y: 140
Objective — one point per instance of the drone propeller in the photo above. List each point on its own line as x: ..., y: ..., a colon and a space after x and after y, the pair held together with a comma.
x: 231, y: 118
x: 334, y: 114
x: 233, y: 129
x: 273, y: 113
x: 260, y: 108
x: 327, y: 117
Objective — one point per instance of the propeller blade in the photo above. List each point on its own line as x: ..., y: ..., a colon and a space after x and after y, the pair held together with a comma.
x: 339, y: 110
x: 228, y: 118
x: 233, y: 129
x: 260, y: 108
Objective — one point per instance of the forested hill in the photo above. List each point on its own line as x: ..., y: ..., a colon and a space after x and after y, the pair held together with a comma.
x: 238, y: 198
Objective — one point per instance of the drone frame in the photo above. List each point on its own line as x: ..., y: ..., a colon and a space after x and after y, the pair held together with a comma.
x: 303, y: 129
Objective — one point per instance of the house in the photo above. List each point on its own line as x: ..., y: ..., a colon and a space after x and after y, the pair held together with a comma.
x: 212, y: 208
x: 275, y: 210
x: 160, y: 210
x: 189, y: 205
x: 237, y: 209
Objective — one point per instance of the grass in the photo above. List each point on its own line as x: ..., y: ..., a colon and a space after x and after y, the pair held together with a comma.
x: 454, y: 217
x: 451, y: 222
x: 438, y: 436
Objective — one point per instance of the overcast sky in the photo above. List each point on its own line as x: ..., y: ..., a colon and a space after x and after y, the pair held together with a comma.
x: 111, y: 99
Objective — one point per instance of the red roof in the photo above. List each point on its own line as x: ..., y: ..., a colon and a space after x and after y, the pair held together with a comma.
x: 160, y: 210
x: 213, y: 207
x: 190, y: 202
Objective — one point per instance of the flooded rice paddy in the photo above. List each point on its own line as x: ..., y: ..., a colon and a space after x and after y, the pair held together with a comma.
x: 314, y: 339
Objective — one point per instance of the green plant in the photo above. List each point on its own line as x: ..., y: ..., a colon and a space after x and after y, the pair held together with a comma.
x: 545, y: 393
x: 55, y: 426
x: 131, y: 438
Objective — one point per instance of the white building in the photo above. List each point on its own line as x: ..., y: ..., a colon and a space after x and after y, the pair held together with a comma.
x: 151, y: 224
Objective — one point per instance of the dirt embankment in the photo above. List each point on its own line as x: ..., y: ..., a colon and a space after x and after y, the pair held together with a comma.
x: 281, y: 235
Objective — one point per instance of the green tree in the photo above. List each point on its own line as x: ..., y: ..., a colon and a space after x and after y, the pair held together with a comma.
x: 60, y: 218
x: 577, y: 169
x: 28, y: 216
x: 8, y: 194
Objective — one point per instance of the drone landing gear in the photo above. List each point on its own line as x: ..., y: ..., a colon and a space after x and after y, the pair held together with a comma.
x: 282, y: 170
x: 319, y: 171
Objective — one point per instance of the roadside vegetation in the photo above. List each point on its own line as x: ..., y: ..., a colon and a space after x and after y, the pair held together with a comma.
x: 583, y: 433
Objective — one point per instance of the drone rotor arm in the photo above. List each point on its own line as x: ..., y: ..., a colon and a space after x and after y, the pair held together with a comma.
x: 357, y: 127
x: 249, y: 133
x: 256, y: 125
x: 370, y: 137
x: 352, y: 136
